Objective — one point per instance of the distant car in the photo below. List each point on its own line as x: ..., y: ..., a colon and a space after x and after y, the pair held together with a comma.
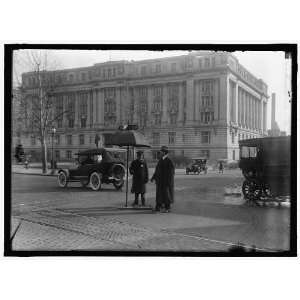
x: 94, y: 167
x: 197, y: 166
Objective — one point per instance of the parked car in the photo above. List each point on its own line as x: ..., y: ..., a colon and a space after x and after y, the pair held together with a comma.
x: 265, y: 163
x: 197, y: 166
x: 94, y: 167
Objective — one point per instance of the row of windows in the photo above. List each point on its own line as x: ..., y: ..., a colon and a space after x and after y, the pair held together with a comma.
x: 114, y: 71
x: 69, y: 139
x: 205, y: 138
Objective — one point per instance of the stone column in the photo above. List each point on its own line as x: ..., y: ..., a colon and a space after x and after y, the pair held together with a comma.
x: 216, y: 98
x: 118, y: 105
x: 197, y: 101
x: 189, y: 101
x: 88, y: 117
x: 261, y: 115
x: 95, y: 117
x: 100, y: 107
x: 180, y: 105
x: 164, y: 105
x: 76, y: 121
x: 150, y: 102
x: 236, y: 103
x: 136, y: 105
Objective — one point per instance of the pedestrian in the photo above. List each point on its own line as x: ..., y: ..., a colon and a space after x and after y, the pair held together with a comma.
x: 221, y: 167
x: 164, y: 179
x: 139, y: 171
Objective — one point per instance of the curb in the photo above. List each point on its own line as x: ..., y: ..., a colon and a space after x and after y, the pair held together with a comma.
x: 35, y: 174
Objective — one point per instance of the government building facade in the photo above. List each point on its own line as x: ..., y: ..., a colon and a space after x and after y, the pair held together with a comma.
x: 200, y: 104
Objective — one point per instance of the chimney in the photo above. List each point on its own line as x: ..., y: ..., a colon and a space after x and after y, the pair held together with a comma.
x: 273, y: 122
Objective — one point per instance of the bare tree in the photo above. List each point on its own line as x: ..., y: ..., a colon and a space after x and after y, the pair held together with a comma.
x: 37, y: 99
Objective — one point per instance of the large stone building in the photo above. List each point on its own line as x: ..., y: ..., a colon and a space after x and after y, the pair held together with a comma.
x: 200, y: 104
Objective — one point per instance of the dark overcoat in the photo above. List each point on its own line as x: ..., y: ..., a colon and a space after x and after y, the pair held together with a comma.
x: 164, y: 179
x: 139, y: 171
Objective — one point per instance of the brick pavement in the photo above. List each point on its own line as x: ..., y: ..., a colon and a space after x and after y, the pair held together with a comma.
x: 58, y: 230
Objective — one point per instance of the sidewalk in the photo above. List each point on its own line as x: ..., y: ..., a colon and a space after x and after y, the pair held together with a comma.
x: 61, y: 230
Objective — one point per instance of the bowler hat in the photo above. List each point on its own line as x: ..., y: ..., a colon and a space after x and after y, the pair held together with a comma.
x: 164, y: 149
x: 139, y: 152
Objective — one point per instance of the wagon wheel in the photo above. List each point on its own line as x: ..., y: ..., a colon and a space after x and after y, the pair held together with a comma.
x: 267, y: 190
x: 62, y: 179
x: 95, y: 181
x: 252, y: 190
x: 119, y: 179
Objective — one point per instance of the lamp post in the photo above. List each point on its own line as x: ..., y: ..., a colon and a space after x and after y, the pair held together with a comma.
x: 53, y: 130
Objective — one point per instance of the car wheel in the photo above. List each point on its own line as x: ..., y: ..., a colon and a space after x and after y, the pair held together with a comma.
x: 118, y: 184
x: 95, y: 181
x: 84, y: 182
x: 62, y: 179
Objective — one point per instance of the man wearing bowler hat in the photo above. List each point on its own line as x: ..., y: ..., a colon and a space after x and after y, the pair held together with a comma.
x: 139, y: 171
x: 164, y: 179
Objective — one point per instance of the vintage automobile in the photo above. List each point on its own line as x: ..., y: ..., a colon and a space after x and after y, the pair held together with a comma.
x: 94, y: 167
x: 197, y: 166
x: 265, y: 163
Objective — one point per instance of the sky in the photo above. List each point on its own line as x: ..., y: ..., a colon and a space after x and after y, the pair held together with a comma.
x: 270, y: 66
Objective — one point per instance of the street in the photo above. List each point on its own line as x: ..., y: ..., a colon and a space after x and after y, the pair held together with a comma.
x: 200, y: 210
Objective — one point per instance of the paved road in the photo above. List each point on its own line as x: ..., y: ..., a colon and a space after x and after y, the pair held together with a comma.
x: 211, y: 214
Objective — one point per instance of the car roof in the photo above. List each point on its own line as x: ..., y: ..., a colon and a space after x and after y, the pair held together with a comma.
x: 197, y: 158
x: 99, y: 151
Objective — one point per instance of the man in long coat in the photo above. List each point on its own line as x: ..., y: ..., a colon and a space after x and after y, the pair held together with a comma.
x: 139, y: 171
x: 164, y: 179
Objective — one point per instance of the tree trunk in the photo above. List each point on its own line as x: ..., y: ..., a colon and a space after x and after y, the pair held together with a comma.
x: 44, y: 154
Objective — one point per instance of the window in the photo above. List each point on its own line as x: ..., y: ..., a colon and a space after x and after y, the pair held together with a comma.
x: 71, y: 77
x: 204, y: 153
x: 158, y: 68
x: 143, y: 70
x: 205, y: 137
x: 69, y: 139
x: 158, y: 91
x: 143, y: 92
x: 57, y: 139
x: 173, y: 118
x: 173, y: 67
x: 213, y: 61
x: 157, y: 120
x: 233, y: 154
x: 172, y: 136
x: 200, y: 63
x: 81, y: 139
x: 83, y: 122
x: 83, y: 76
x: 184, y: 138
x: 232, y: 138
x: 71, y: 123
x: 57, y: 155
x: 206, y: 63
x: 156, y: 138
x: 69, y: 154
x: 33, y: 141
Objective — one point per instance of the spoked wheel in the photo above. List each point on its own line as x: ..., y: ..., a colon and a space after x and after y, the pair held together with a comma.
x: 62, y: 179
x: 252, y: 190
x: 119, y: 180
x: 267, y: 190
x: 95, y: 181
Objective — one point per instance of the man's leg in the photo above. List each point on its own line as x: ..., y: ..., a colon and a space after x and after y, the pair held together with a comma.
x: 136, y: 199
x: 143, y: 199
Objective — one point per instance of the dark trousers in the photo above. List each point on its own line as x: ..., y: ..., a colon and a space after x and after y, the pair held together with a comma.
x: 163, y: 197
x: 136, y: 198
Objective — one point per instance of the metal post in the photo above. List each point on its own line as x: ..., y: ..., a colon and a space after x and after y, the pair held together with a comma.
x: 127, y: 175
x: 52, y: 152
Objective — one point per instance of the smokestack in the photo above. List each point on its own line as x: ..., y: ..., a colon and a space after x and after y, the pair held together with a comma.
x: 273, y: 121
